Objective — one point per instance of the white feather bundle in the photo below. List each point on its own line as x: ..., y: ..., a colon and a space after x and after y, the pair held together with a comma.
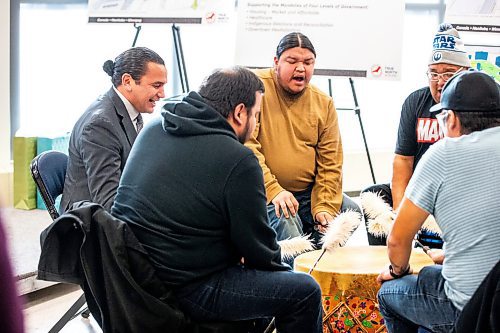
x: 381, y: 225
x: 295, y: 246
x: 373, y: 204
x: 380, y: 214
x: 340, y: 229
x: 431, y: 225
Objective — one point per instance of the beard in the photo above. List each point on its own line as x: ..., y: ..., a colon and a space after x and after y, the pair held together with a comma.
x: 245, y: 135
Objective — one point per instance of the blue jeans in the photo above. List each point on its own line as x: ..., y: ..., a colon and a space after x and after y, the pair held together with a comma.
x: 303, y: 222
x: 241, y: 293
x: 413, y: 301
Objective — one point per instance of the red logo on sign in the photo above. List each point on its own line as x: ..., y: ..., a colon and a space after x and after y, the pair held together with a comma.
x: 210, y: 17
x: 376, y: 70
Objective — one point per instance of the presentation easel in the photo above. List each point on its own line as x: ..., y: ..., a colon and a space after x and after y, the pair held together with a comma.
x: 137, y: 31
x: 179, y: 54
x: 357, y: 110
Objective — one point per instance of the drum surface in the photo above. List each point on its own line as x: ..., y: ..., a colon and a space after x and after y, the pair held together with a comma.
x: 347, y: 277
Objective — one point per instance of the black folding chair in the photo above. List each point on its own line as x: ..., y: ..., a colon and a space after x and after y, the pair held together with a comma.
x: 48, y: 171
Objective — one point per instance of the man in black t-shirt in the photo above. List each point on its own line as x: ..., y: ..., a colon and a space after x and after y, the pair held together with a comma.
x: 418, y: 128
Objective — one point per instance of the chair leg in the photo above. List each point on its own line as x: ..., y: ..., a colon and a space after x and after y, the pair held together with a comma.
x: 69, y: 314
x: 85, y: 313
x: 271, y: 327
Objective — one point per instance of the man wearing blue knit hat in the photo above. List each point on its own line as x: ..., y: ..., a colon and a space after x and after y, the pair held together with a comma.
x: 418, y: 128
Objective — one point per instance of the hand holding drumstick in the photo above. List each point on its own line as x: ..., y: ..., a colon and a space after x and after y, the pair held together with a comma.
x: 437, y: 255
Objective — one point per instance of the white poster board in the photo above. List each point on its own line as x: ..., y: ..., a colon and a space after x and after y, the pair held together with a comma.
x: 160, y: 11
x: 474, y: 16
x: 478, y: 23
x: 352, y: 38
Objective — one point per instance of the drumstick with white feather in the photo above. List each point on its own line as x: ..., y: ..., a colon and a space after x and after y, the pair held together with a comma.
x: 381, y: 217
x: 292, y: 247
x: 379, y: 213
x: 338, y: 232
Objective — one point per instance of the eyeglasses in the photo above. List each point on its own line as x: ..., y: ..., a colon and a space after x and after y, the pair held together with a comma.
x: 434, y: 77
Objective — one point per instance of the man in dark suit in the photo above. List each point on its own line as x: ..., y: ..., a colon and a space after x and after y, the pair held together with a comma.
x: 103, y: 136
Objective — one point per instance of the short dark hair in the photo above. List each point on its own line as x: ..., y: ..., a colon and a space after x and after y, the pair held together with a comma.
x: 294, y: 39
x: 133, y: 61
x: 477, y: 121
x: 224, y: 89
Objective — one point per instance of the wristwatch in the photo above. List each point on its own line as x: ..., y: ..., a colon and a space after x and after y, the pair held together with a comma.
x: 397, y: 276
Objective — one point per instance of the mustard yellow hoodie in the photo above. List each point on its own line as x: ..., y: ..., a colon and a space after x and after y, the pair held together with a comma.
x: 298, y: 144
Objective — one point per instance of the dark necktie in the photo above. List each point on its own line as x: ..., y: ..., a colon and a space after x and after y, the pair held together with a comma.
x: 139, y: 123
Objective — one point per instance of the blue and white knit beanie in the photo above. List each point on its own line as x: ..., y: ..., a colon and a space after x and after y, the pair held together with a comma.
x: 448, y: 48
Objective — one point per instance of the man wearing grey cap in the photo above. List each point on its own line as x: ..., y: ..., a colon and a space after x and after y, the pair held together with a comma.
x: 462, y: 166
x: 418, y: 128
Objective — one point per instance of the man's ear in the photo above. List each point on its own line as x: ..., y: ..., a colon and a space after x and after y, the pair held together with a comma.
x: 127, y: 81
x: 239, y: 114
x: 275, y: 62
x: 453, y: 124
x: 452, y: 119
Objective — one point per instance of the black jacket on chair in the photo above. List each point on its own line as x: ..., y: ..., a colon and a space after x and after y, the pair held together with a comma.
x: 482, y: 313
x: 89, y: 247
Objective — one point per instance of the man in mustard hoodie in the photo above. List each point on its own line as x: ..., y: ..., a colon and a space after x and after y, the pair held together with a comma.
x: 298, y: 144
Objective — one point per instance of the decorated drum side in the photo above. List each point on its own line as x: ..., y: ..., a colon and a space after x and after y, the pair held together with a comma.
x: 347, y: 277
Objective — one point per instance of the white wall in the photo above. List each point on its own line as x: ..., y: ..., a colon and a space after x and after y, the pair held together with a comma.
x: 5, y: 166
x: 356, y: 169
x: 380, y: 102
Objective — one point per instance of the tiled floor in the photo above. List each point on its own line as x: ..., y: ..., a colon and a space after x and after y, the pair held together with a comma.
x: 43, y: 308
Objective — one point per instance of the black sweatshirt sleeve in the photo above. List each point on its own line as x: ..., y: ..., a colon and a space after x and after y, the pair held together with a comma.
x: 246, y: 207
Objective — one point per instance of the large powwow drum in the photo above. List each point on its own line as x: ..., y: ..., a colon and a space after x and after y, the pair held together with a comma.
x: 347, y: 277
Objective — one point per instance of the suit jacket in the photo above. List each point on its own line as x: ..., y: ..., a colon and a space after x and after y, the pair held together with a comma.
x: 98, y: 149
x: 89, y: 247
